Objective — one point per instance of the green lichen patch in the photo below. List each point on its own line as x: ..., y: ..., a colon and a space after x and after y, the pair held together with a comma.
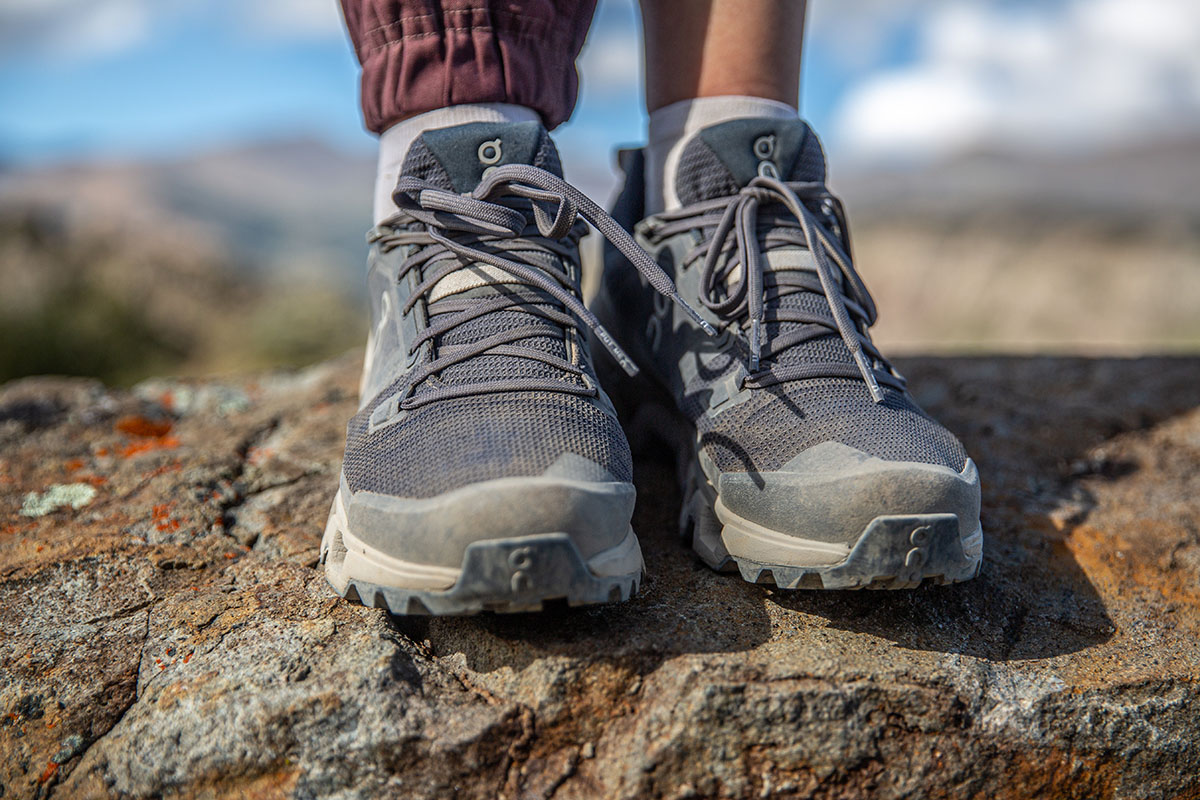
x: 75, y: 495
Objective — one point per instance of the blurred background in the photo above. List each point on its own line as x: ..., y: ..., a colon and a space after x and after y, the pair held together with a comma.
x: 185, y: 184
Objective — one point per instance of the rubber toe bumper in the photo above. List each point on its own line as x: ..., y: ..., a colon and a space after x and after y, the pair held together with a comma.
x: 835, y: 517
x: 502, y: 546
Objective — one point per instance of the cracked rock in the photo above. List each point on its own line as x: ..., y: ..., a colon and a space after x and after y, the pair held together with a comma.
x: 173, y: 637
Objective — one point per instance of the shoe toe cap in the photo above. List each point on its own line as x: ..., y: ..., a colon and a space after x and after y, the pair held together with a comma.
x: 832, y: 492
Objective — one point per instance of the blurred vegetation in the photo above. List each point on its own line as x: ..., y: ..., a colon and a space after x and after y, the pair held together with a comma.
x: 105, y: 305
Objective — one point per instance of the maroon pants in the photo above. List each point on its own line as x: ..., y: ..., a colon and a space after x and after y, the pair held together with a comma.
x: 418, y: 55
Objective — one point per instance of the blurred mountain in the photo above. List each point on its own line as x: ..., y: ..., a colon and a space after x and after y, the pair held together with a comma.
x: 298, y: 207
x: 1086, y: 253
x: 1138, y: 183
x: 237, y: 258
x: 301, y: 207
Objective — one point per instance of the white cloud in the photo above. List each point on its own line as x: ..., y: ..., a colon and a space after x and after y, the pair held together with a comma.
x: 292, y: 18
x: 72, y: 29
x: 1076, y: 74
x: 611, y: 63
x: 863, y: 28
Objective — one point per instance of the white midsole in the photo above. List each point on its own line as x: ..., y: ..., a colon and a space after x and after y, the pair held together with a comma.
x: 371, y: 565
x: 365, y: 563
x: 746, y: 539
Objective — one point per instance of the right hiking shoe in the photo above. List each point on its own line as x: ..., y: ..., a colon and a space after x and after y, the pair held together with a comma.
x: 804, y: 460
x: 485, y: 468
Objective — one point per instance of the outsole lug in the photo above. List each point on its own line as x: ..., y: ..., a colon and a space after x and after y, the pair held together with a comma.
x: 797, y: 578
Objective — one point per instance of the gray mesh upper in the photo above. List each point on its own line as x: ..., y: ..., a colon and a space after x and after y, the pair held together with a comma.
x: 450, y: 443
x: 777, y: 422
x: 453, y: 443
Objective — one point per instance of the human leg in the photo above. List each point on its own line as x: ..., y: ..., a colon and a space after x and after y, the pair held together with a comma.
x: 809, y: 464
x: 715, y: 48
x: 429, y: 64
x: 485, y: 469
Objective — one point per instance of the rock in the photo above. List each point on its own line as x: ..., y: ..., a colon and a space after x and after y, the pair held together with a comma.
x: 173, y: 636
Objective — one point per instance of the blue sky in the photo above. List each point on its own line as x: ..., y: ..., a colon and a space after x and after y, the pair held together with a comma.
x: 884, y: 79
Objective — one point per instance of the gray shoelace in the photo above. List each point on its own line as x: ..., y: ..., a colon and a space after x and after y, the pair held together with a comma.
x: 766, y: 214
x: 514, y: 219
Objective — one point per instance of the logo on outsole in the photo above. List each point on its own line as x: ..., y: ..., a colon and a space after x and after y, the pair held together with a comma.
x: 520, y: 561
x: 917, y: 556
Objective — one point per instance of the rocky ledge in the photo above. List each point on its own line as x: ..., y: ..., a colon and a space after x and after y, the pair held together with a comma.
x: 165, y: 631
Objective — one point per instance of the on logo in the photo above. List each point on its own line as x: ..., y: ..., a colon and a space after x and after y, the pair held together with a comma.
x: 764, y: 151
x: 489, y: 155
x: 520, y: 561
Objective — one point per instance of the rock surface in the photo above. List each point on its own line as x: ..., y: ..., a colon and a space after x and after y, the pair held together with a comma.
x: 167, y: 633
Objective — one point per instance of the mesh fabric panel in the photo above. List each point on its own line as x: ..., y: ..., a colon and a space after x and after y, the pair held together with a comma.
x: 453, y: 443
x: 778, y: 422
x: 700, y: 174
x: 420, y: 162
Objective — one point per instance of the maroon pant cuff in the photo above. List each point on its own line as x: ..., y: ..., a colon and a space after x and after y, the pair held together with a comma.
x: 418, y: 55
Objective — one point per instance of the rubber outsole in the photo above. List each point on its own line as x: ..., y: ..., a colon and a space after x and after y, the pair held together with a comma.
x: 894, y: 551
x: 511, y: 575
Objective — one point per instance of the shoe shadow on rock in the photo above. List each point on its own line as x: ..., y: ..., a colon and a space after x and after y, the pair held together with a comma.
x: 1034, y: 425
x: 1046, y: 433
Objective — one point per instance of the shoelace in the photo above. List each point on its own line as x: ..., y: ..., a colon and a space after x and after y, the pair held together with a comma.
x: 766, y: 214
x: 492, y: 226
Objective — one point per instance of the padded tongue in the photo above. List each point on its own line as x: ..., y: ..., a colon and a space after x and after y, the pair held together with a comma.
x: 722, y: 158
x: 456, y: 157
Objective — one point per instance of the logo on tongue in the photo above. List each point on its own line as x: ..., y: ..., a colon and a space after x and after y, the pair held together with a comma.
x: 489, y: 155
x: 764, y: 151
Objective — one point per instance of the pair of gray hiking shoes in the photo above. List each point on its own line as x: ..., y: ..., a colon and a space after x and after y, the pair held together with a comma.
x: 486, y: 469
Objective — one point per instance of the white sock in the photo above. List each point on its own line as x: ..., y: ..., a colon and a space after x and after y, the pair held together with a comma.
x: 671, y: 127
x: 395, y: 141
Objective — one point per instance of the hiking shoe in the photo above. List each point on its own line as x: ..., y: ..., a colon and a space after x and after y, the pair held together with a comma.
x: 806, y: 462
x: 485, y: 468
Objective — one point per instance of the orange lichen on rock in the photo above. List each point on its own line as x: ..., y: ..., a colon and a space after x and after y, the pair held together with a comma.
x: 161, y: 514
x: 134, y: 425
x: 147, y: 445
x: 48, y: 773
x: 1110, y: 557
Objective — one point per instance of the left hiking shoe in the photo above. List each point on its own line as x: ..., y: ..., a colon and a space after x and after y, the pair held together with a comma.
x: 485, y: 469
x: 808, y: 464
